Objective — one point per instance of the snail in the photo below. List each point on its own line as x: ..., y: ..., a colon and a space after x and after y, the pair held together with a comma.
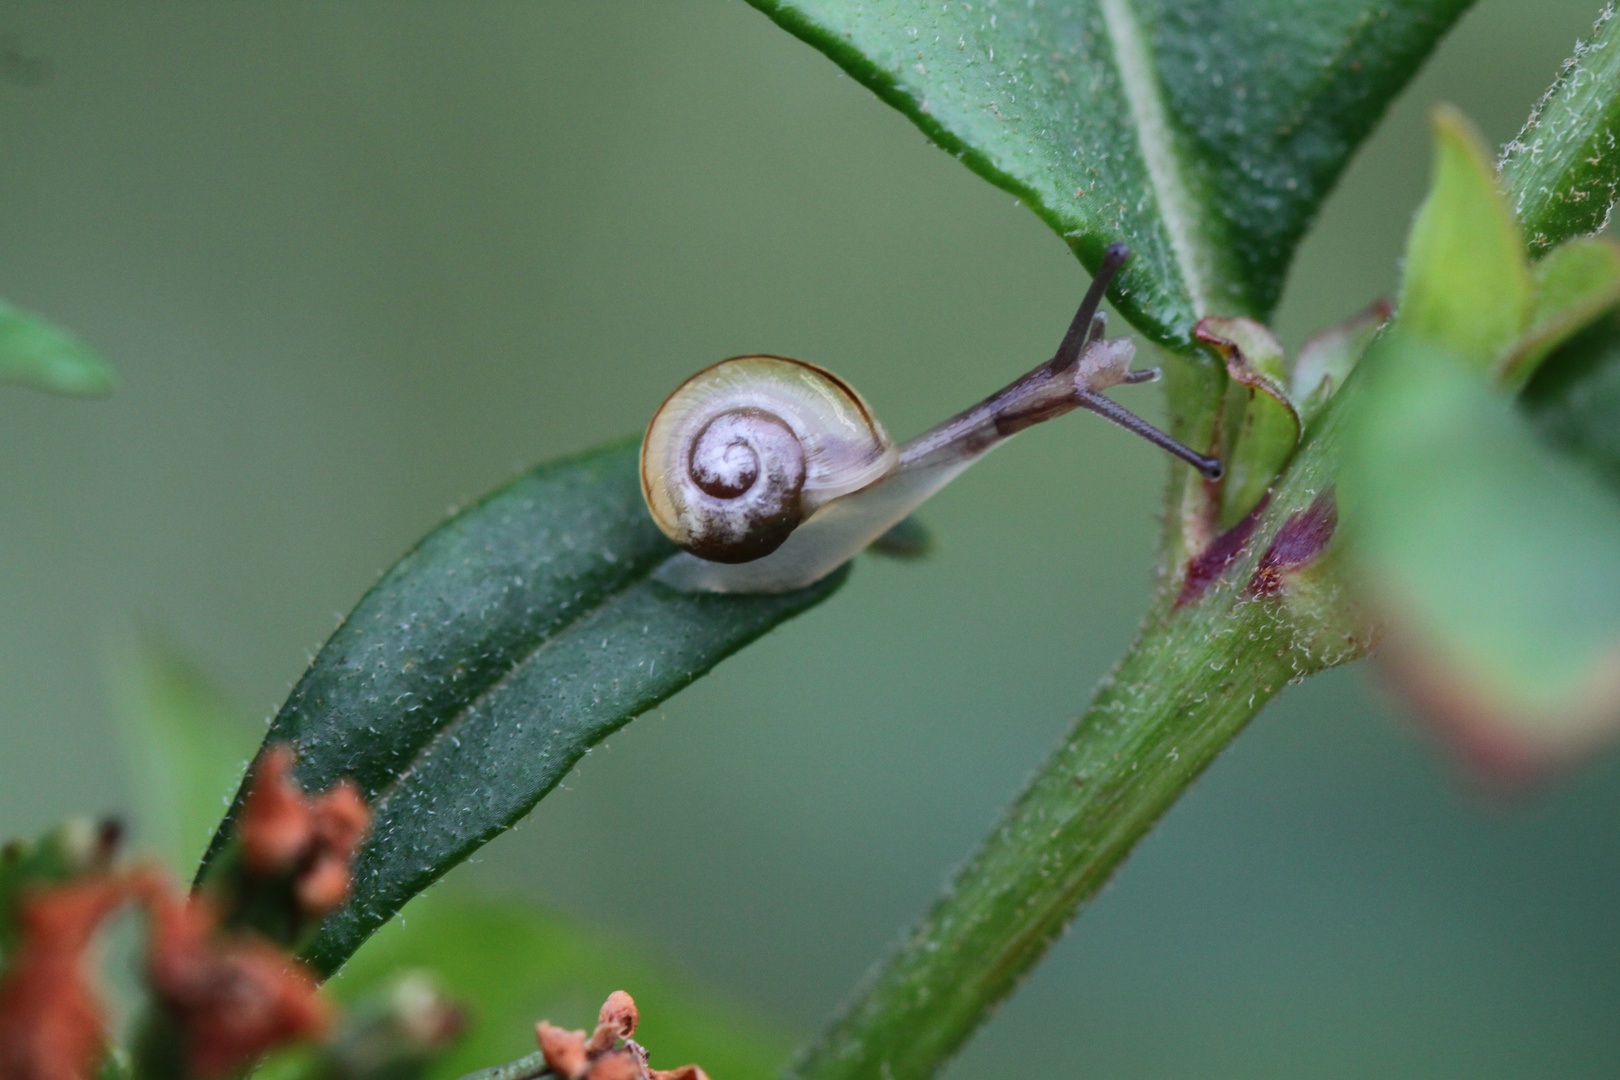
x: 771, y: 473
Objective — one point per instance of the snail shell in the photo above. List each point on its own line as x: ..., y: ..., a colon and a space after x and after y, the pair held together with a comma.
x: 744, y: 451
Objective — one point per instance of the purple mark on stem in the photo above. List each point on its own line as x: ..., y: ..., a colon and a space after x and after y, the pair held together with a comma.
x: 1208, y: 565
x: 1302, y: 538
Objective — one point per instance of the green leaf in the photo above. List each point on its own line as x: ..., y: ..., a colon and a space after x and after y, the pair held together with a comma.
x: 1575, y: 283
x: 1326, y: 360
x: 1467, y: 285
x: 1574, y: 398
x: 187, y: 747
x: 488, y: 660
x: 1205, y: 133
x: 512, y: 963
x: 35, y: 353
x: 1562, y: 168
x: 1261, y: 427
x: 1494, y: 560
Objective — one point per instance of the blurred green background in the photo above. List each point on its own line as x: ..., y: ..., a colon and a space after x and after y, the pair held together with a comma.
x: 358, y: 263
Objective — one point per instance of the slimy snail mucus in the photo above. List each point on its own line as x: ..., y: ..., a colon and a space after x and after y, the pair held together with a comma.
x: 771, y: 473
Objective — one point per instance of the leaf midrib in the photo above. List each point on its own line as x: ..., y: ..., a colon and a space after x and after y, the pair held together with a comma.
x: 1161, y: 154
x: 381, y: 796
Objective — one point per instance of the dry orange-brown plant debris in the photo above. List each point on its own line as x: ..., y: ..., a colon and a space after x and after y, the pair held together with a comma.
x: 609, y: 1053
x: 312, y: 837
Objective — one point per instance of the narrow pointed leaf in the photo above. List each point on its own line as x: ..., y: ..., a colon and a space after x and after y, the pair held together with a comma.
x: 1205, y: 133
x: 1575, y: 283
x: 468, y: 682
x: 1563, y: 168
x: 37, y: 354
x: 1467, y: 285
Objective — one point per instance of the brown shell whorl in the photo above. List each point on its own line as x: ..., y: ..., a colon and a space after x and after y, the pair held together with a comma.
x: 745, y: 450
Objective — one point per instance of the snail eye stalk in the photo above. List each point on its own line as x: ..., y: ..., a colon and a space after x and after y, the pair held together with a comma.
x: 771, y: 472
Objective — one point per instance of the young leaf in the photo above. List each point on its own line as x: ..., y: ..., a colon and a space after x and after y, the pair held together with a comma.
x: 512, y: 962
x: 35, y: 353
x: 1574, y: 398
x: 1575, y: 283
x: 1494, y: 560
x: 1467, y: 286
x: 1326, y: 360
x: 488, y: 660
x: 1562, y: 168
x: 1261, y: 425
x: 1205, y: 133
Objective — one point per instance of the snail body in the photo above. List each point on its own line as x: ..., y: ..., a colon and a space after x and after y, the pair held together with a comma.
x: 771, y: 472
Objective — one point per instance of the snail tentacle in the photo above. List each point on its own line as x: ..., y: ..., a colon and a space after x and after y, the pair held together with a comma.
x: 757, y: 514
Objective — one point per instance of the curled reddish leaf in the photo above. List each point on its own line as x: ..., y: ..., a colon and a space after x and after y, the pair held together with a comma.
x: 685, y: 1072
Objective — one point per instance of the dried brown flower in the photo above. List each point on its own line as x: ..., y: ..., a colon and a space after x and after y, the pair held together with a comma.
x: 231, y: 997
x: 51, y: 1024
x: 685, y: 1072
x: 312, y: 838
x: 609, y: 1053
x: 564, y: 1050
x: 616, y: 1020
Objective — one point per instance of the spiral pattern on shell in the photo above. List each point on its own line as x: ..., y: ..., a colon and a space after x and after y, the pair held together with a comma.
x: 745, y: 450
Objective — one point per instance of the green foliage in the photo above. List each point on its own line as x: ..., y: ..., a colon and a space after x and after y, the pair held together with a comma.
x: 1561, y: 167
x: 1495, y: 560
x: 1574, y: 399
x: 1493, y: 557
x: 1259, y: 424
x: 1575, y: 283
x: 488, y: 660
x: 35, y: 353
x: 1326, y: 360
x: 1205, y: 133
x: 514, y: 963
x: 1184, y: 690
x: 1467, y: 283
x: 508, y: 962
x: 1469, y: 286
x: 187, y: 747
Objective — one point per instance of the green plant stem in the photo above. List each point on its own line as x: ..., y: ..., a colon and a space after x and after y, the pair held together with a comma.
x: 1560, y: 169
x: 1190, y: 682
x: 1188, y: 685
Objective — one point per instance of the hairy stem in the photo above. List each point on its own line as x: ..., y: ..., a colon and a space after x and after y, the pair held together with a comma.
x: 1560, y: 170
x: 1191, y: 681
x: 524, y: 1068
